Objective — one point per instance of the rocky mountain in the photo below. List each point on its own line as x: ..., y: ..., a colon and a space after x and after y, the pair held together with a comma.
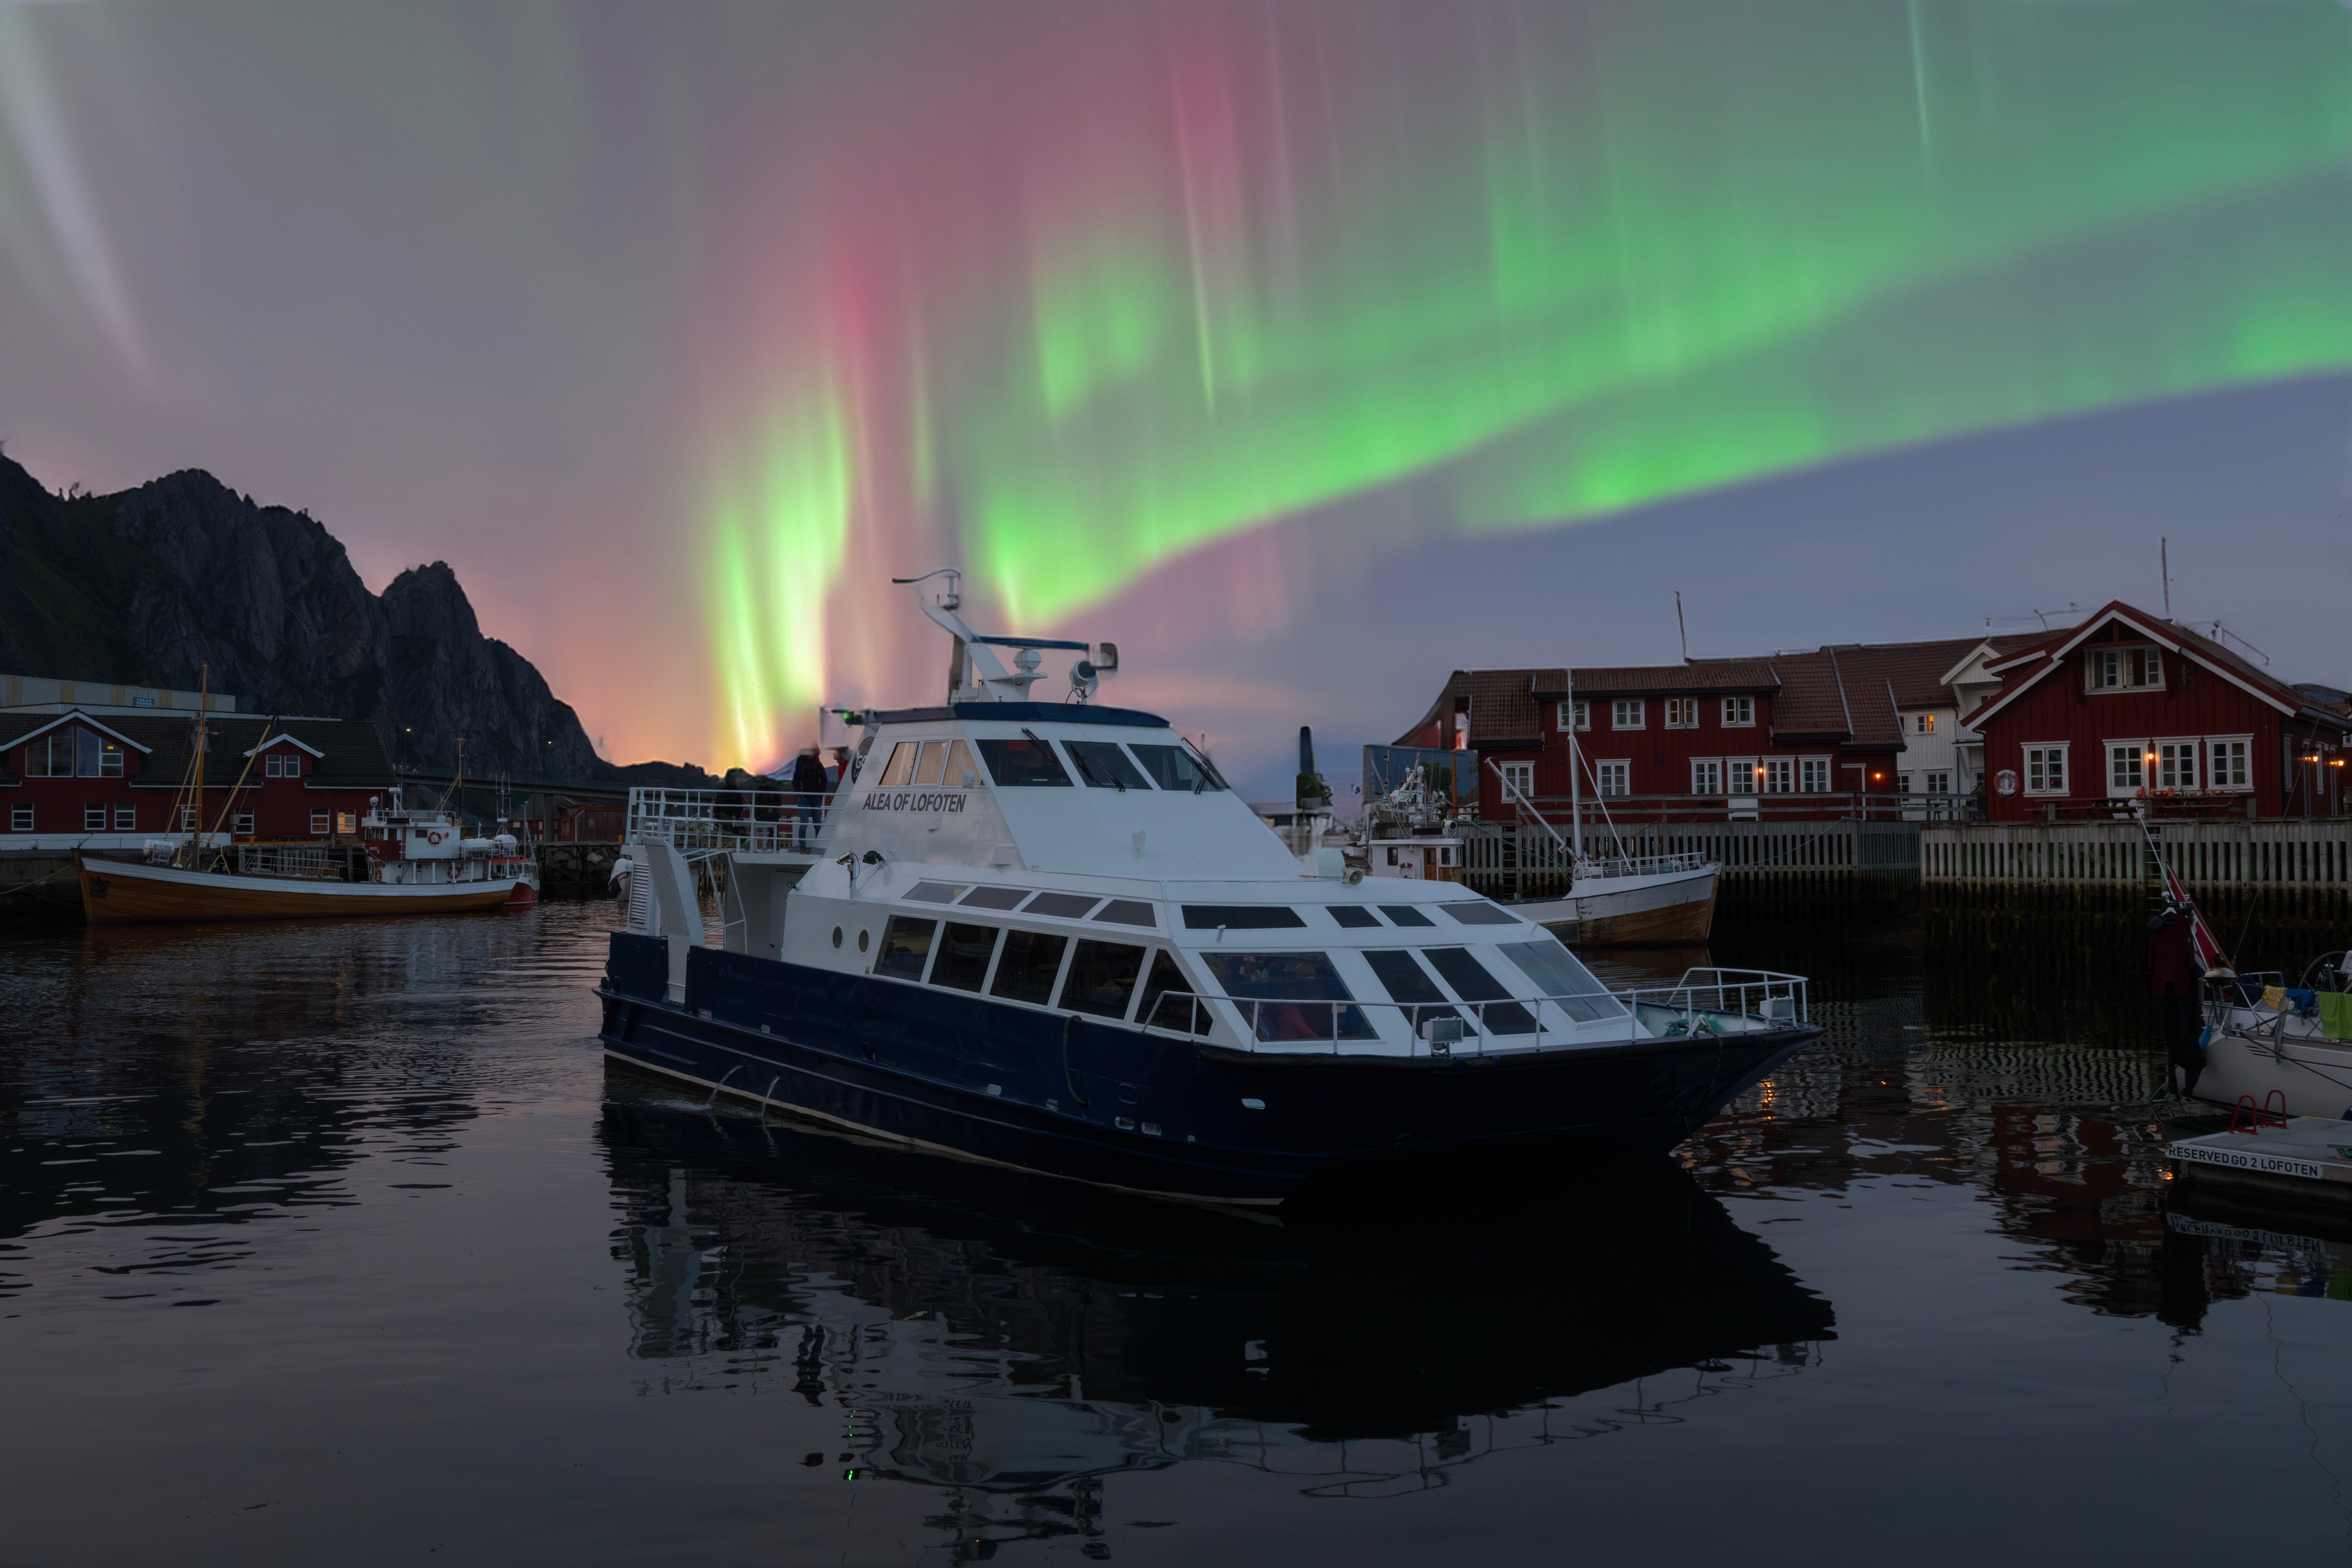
x: 147, y: 586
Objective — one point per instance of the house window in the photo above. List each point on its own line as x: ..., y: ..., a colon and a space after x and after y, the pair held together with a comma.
x: 1625, y: 714
x: 20, y: 819
x: 1616, y: 778
x: 51, y: 756
x: 126, y: 818
x: 1519, y: 780
x: 2176, y: 764
x: 1577, y: 715
x: 1780, y: 775
x: 1939, y: 783
x: 274, y: 766
x: 1923, y: 724
x: 95, y: 757
x: 2123, y: 668
x: 93, y: 819
x: 187, y: 820
x: 1743, y: 775
x: 1681, y: 712
x: 242, y: 823
x: 1902, y: 784
x: 2045, y: 770
x: 1814, y: 775
x: 346, y: 823
x: 1739, y: 712
x: 2127, y: 766
x: 2225, y: 757
x: 319, y: 820
x: 1706, y: 776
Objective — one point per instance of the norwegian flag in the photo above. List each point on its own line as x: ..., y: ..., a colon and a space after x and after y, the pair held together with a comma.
x: 2210, y: 955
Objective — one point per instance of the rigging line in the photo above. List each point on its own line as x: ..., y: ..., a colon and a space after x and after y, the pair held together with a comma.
x: 2303, y: 1412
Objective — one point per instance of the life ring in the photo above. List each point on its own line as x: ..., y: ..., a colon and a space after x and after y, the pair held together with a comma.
x: 433, y: 836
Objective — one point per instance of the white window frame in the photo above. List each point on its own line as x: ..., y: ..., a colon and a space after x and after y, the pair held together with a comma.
x: 2213, y: 774
x: 269, y: 764
x: 1780, y: 775
x: 1617, y: 770
x: 1808, y: 771
x: 1902, y: 784
x: 20, y: 819
x: 2113, y: 754
x: 1740, y: 777
x: 241, y: 822
x: 93, y: 818
x: 2181, y: 749
x: 2103, y: 669
x: 1706, y: 769
x: 323, y: 822
x: 1681, y: 712
x: 1575, y: 715
x: 2049, y: 750
x: 187, y: 820
x: 1939, y: 781
x: 1517, y: 775
x: 1622, y: 709
x: 1923, y: 723
x: 126, y: 819
x: 1739, y: 712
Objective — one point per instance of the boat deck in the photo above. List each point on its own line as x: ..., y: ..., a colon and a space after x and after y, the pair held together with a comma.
x: 2309, y: 1158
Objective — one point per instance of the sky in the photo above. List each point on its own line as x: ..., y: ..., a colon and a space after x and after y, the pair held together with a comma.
x: 1308, y: 350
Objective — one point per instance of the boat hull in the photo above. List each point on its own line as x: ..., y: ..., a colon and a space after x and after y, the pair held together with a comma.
x: 128, y: 892
x: 2311, y: 1073
x: 1673, y: 909
x: 1104, y: 1103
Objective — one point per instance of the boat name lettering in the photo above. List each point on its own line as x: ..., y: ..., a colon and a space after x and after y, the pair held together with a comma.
x: 2246, y: 1160
x: 941, y: 800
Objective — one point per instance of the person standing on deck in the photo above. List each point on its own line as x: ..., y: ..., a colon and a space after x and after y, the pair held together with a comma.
x: 809, y: 780
x: 2172, y: 975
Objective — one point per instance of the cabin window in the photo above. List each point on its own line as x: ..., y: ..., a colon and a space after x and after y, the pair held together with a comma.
x: 1405, y: 915
x: 1355, y: 916
x: 20, y: 819
x: 900, y: 769
x: 1299, y: 995
x: 906, y: 947
x: 1178, y: 768
x: 1780, y: 775
x: 126, y: 818
x: 995, y: 898
x: 1127, y: 912
x: 1062, y: 906
x: 2127, y: 766
x: 1473, y: 983
x: 1102, y: 764
x: 1409, y: 986
x: 1016, y: 765
x: 1031, y: 962
x: 2176, y: 764
x: 242, y: 823
x: 93, y: 819
x: 1239, y: 917
x: 1576, y: 715
x: 1814, y: 775
x: 1614, y: 778
x: 2225, y: 757
x: 1480, y: 914
x: 1625, y: 714
x: 960, y: 772
x: 1168, y: 998
x: 2123, y: 668
x: 1519, y: 780
x: 1739, y: 712
x: 1706, y: 776
x: 932, y: 893
x: 1558, y: 974
x: 927, y: 764
x: 1102, y: 978
x: 1682, y: 713
x: 963, y: 963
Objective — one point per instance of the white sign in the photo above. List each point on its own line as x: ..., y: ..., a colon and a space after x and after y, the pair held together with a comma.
x: 2247, y: 1160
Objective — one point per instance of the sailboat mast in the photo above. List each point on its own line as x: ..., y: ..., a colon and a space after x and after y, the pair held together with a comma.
x: 1575, y: 785
x: 203, y: 744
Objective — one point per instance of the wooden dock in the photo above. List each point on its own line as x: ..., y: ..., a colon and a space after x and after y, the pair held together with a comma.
x: 2315, y: 854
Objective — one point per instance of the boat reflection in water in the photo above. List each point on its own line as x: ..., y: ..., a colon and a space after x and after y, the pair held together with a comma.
x: 1018, y: 1362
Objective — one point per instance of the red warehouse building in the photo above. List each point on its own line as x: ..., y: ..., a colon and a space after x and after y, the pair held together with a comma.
x: 2130, y: 707
x: 111, y: 781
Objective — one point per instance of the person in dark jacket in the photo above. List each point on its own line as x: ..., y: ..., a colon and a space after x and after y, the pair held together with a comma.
x: 809, y: 780
x: 2172, y: 976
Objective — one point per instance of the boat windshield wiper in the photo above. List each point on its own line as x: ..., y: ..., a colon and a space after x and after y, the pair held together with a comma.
x: 1085, y: 772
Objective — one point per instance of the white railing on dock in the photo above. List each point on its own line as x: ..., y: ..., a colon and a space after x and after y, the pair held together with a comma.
x: 1704, y: 1004
x: 2310, y: 854
x: 1518, y: 860
x: 758, y: 822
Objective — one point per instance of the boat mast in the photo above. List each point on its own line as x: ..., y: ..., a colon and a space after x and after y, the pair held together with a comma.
x: 1575, y: 787
x: 204, y: 708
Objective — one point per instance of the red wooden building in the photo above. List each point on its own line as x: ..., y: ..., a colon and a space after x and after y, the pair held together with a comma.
x: 2132, y: 707
x: 111, y: 781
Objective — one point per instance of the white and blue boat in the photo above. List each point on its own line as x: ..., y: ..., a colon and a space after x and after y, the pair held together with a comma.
x: 1047, y: 935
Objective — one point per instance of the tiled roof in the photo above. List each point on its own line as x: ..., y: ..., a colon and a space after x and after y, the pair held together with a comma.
x: 1699, y: 677
x: 350, y: 753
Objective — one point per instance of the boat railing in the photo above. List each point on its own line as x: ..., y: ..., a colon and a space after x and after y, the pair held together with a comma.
x: 1642, y: 865
x: 1704, y: 1004
x: 287, y: 860
x: 765, y: 822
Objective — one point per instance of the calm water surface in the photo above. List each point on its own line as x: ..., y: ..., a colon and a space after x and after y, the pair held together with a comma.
x: 341, y: 1242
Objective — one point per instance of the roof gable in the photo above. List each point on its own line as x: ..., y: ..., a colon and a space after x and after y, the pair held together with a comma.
x: 282, y: 738
x: 77, y: 716
x: 2055, y: 653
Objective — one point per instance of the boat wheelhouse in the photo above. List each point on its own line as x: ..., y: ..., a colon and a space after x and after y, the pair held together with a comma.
x: 1049, y: 934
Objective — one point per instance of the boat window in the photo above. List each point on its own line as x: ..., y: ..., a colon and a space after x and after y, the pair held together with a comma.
x: 1473, y: 983
x: 962, y: 964
x: 1168, y: 998
x: 1062, y: 906
x: 1408, y: 981
x: 1240, y: 917
x: 1300, y: 995
x: 1025, y: 973
x: 900, y: 769
x: 927, y: 767
x: 1405, y: 915
x: 1353, y: 916
x: 1016, y: 764
x: 1177, y: 768
x: 905, y: 946
x: 1481, y: 914
x: 960, y: 772
x: 1127, y: 912
x: 1557, y: 974
x: 995, y: 898
x: 1102, y: 764
x: 932, y: 893
x: 1102, y: 977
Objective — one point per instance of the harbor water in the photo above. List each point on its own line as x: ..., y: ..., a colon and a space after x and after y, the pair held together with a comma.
x: 341, y: 1241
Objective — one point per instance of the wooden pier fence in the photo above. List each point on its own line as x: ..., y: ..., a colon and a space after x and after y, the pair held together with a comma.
x: 2315, y: 854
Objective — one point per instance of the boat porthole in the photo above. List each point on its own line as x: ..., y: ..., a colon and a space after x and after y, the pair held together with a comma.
x: 861, y: 942
x: 837, y: 936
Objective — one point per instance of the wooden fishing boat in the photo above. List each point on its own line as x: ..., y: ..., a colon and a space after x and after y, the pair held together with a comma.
x: 133, y: 892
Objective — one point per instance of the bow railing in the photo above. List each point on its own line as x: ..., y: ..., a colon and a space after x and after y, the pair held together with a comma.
x: 761, y: 821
